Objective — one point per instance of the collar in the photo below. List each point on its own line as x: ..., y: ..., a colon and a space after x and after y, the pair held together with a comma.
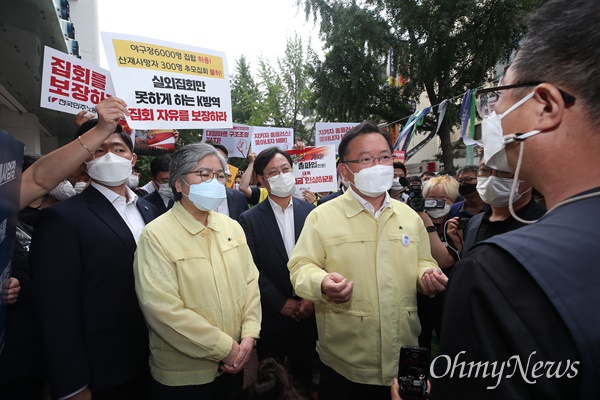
x: 188, y: 221
x: 275, y: 206
x: 112, y: 196
x: 354, y: 203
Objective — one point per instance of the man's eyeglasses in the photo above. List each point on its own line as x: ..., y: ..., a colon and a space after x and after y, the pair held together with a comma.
x: 274, y: 174
x: 206, y: 174
x: 486, y: 99
x: 467, y: 180
x: 385, y: 159
x: 484, y: 172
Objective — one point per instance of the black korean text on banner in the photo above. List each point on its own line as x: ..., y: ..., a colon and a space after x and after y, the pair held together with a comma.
x: 169, y: 85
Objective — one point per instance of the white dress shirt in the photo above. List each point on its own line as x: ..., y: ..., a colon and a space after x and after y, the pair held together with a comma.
x: 285, y: 222
x: 369, y: 207
x: 126, y: 207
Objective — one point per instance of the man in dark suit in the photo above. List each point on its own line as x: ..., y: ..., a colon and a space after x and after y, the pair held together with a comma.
x: 82, y: 250
x: 162, y: 197
x: 272, y: 228
x: 236, y: 202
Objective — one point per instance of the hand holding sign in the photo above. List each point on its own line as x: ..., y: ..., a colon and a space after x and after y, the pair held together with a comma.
x: 82, y: 117
x: 110, y: 112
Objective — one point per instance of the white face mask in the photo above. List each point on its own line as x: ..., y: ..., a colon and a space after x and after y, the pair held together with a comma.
x: 79, y: 186
x: 374, y: 181
x: 494, y: 141
x: 63, y: 191
x: 438, y: 212
x: 398, y: 183
x: 495, y: 191
x: 110, y: 169
x: 133, y: 181
x: 165, y: 190
x: 282, y: 185
x: 236, y: 186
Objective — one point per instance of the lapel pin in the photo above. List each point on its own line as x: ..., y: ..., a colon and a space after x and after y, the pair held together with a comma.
x: 146, y: 207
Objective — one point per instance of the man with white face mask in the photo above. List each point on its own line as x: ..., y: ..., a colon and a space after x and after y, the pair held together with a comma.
x: 361, y: 258
x: 163, y: 197
x: 495, y: 187
x: 272, y: 228
x: 532, y: 294
x: 92, y: 328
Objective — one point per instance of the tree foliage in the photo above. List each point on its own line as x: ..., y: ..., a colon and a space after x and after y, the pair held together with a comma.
x: 442, y: 46
x: 245, y: 95
x: 286, y: 90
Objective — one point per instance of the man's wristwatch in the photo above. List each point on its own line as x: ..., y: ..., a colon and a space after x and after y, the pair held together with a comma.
x: 431, y: 228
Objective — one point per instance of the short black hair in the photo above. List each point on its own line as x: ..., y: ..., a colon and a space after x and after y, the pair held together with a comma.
x: 364, y: 128
x: 160, y: 164
x: 87, y: 125
x: 265, y: 156
x: 218, y: 146
x: 428, y: 173
x: 400, y: 165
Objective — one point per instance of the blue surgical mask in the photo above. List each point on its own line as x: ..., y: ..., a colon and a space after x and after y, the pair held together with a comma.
x: 494, y: 141
x: 206, y: 196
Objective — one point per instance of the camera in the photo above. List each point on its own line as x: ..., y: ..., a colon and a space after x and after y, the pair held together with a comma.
x: 462, y: 223
x: 415, y: 197
x: 412, y: 372
x: 435, y: 203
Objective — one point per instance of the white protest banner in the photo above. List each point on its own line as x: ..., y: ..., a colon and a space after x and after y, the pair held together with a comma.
x: 263, y: 137
x: 71, y: 85
x: 169, y: 85
x: 235, y: 140
x: 314, y: 169
x: 331, y: 132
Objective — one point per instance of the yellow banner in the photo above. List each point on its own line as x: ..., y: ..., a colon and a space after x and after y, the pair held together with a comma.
x: 233, y: 172
x: 160, y: 58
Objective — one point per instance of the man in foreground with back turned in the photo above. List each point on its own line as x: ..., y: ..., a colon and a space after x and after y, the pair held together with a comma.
x: 523, y: 304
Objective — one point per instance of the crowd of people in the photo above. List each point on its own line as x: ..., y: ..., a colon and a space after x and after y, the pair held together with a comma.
x: 165, y: 291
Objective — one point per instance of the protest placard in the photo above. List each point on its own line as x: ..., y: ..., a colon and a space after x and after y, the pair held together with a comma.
x: 327, y: 133
x: 235, y: 140
x: 72, y: 85
x: 265, y: 137
x: 169, y: 85
x: 314, y: 169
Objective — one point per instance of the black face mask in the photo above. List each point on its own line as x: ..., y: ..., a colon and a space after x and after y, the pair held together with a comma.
x: 465, y: 189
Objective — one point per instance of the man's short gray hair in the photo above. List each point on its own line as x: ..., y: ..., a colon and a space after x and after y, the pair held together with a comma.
x: 562, y: 47
x: 185, y: 161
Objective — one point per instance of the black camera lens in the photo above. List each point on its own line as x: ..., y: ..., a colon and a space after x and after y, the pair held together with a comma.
x: 417, y: 203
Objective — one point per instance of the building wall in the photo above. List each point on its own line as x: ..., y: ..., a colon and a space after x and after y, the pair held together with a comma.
x: 84, y: 14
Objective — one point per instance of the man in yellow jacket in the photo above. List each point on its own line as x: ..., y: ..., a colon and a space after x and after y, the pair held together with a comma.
x: 361, y: 258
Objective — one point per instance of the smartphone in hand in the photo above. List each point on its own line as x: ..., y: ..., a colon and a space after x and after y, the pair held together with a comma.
x: 413, y: 372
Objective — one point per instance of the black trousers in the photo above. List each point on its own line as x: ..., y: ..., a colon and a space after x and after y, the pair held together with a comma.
x: 333, y: 386
x: 223, y: 387
x: 294, y: 347
x: 134, y: 389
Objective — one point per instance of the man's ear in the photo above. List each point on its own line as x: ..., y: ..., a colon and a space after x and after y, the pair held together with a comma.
x: 345, y: 172
x: 133, y: 159
x: 263, y: 181
x: 550, y: 107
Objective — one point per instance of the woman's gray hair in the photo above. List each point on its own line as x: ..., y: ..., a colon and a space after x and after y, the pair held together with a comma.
x: 185, y: 160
